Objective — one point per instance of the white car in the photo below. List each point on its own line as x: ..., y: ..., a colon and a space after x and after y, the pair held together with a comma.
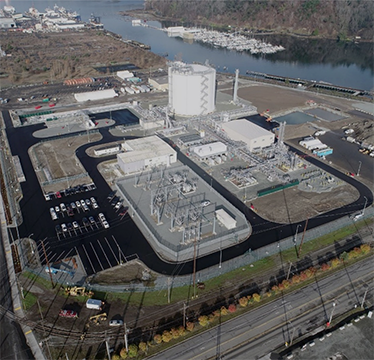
x: 64, y: 227
x: 75, y: 225
x: 93, y: 200
x: 62, y: 207
x: 118, y: 205
x: 78, y: 204
x: 95, y: 205
x: 57, y: 209
x: 53, y: 213
x: 83, y: 203
x: 105, y: 224
x: 205, y: 203
x: 102, y: 217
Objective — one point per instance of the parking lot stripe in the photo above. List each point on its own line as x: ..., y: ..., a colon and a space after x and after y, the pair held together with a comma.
x: 110, y: 265
x: 97, y: 257
x: 93, y: 268
x: 112, y: 250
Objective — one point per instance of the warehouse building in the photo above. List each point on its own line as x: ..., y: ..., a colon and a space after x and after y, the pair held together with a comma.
x: 145, y: 154
x: 253, y: 135
x: 95, y: 95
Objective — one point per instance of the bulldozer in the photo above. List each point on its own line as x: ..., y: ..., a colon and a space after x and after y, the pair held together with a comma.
x: 97, y: 318
x: 78, y: 291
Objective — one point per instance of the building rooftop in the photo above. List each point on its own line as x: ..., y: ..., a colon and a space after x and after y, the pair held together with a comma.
x: 144, y: 148
x: 246, y: 128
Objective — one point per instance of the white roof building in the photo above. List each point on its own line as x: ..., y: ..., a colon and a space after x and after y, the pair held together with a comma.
x: 125, y: 74
x: 311, y: 143
x: 95, y: 95
x: 145, y: 153
x: 209, y: 150
x: 253, y: 135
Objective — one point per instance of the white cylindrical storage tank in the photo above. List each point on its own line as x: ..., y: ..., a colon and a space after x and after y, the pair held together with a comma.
x: 191, y: 89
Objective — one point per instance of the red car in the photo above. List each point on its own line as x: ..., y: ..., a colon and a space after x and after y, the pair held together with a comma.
x: 52, y: 105
x: 68, y: 313
x: 37, y: 107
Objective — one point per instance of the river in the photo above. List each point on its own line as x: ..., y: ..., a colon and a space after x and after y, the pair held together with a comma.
x: 344, y: 64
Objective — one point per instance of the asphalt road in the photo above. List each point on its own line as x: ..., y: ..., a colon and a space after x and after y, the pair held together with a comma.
x: 101, y: 248
x: 264, y: 329
x: 13, y: 343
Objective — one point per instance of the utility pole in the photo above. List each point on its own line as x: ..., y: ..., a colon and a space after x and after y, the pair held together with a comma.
x: 46, y: 339
x: 302, y: 239
x: 125, y: 338
x: 332, y: 312
x: 194, y: 269
x: 184, y: 314
x: 49, y: 268
x: 169, y: 285
x: 289, y: 270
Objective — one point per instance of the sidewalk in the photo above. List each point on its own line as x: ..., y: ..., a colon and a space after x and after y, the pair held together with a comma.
x: 16, y: 297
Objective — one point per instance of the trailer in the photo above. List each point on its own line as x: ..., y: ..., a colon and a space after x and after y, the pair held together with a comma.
x: 94, y: 304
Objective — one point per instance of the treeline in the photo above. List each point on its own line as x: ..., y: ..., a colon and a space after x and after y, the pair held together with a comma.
x: 330, y: 18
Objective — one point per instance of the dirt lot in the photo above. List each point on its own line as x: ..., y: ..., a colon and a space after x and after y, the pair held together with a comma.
x: 38, y: 57
x: 293, y: 205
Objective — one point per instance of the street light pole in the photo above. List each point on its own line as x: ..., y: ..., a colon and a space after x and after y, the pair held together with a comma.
x: 295, y: 236
x: 359, y: 168
x: 363, y: 299
x: 332, y: 312
x: 363, y: 210
x: 220, y: 257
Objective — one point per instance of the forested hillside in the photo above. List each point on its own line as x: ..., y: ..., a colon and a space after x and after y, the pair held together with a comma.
x: 328, y: 18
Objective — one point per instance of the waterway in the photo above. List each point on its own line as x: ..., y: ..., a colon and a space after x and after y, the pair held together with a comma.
x: 344, y: 64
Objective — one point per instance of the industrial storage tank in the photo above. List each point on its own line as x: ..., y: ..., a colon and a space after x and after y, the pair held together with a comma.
x: 191, y: 89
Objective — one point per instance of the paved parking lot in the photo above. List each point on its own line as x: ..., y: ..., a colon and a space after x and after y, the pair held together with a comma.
x: 354, y: 341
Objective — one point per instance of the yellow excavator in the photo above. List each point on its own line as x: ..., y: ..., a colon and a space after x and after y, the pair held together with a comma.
x: 97, y: 318
x: 78, y: 291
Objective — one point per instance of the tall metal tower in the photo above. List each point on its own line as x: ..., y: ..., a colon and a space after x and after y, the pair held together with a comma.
x: 235, y: 99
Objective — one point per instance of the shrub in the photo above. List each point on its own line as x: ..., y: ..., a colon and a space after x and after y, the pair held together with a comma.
x: 157, y: 339
x: 286, y: 284
x: 365, y: 249
x: 211, y: 317
x: 133, y: 350
x: 143, y: 346
x: 174, y: 333
x: 115, y: 357
x: 275, y: 289
x: 344, y: 256
x: 249, y: 297
x: 190, y: 326
x: 295, y: 279
x: 280, y: 287
x: 268, y: 294
x: 335, y: 262
x: 243, y: 302
x: 308, y: 273
x: 303, y: 276
x: 166, y: 336
x: 325, y: 267
x: 232, y: 308
x: 181, y: 331
x: 224, y: 311
x: 203, y: 320
x: 123, y: 353
x: 256, y: 297
x: 217, y: 313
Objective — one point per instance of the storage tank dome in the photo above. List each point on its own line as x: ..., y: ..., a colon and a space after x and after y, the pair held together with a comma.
x: 191, y: 89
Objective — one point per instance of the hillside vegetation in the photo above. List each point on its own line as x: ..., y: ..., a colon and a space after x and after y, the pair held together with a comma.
x: 328, y: 18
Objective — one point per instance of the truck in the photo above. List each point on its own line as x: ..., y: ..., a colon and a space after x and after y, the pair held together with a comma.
x: 94, y: 304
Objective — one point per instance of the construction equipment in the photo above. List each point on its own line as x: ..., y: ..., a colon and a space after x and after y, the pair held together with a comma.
x: 97, y: 318
x: 77, y: 291
x: 267, y: 115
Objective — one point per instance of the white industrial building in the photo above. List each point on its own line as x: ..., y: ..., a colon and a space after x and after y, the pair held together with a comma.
x: 160, y: 83
x: 253, y: 135
x: 7, y: 23
x: 144, y: 154
x: 311, y: 143
x: 225, y: 219
x: 210, y: 150
x: 125, y: 74
x: 191, y: 89
x: 95, y: 95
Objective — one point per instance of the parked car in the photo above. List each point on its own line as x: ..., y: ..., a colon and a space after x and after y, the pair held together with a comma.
x: 58, y: 229
x: 62, y: 207
x: 106, y: 224
x: 92, y: 220
x: 115, y: 323
x: 118, y: 205
x: 68, y: 313
x: 64, y: 227
x: 75, y: 225
x: 70, y: 226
